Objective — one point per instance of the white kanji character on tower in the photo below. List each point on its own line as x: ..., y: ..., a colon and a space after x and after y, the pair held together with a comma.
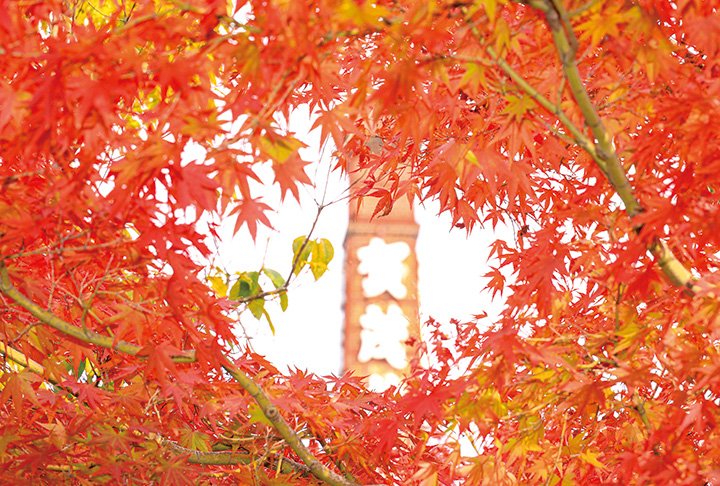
x: 383, y: 267
x: 383, y: 336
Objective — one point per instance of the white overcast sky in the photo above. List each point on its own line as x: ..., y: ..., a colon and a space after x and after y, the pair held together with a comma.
x: 309, y: 334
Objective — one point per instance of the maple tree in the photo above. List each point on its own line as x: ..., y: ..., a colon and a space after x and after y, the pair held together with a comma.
x: 587, y: 124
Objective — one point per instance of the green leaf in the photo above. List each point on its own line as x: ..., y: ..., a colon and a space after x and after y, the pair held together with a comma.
x: 322, y: 254
x: 323, y: 251
x: 319, y: 252
x: 283, y: 301
x: 246, y: 286
x: 317, y: 269
x: 267, y: 316
x: 234, y: 291
x: 301, y: 258
x: 257, y: 307
x: 277, y: 279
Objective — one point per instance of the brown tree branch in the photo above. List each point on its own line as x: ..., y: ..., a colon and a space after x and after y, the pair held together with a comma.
x: 270, y: 411
x: 17, y: 357
x: 85, y: 335
x: 602, y: 149
x: 318, y: 469
x: 566, y: 45
x: 224, y: 458
x: 217, y: 458
x: 575, y: 132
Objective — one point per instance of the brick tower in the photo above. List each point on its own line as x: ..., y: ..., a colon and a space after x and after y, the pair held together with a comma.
x: 381, y: 295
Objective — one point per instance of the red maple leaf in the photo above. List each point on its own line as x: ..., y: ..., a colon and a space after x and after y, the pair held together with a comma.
x: 251, y: 212
x: 290, y: 173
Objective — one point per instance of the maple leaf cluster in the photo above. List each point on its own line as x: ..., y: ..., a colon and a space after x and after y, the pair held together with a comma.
x: 588, y: 125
